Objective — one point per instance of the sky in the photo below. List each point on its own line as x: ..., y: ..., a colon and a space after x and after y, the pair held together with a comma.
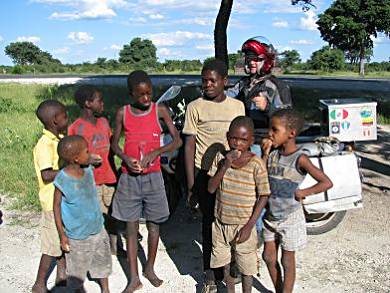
x: 76, y: 31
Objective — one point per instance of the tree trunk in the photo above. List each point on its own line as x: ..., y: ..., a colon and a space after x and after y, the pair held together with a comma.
x: 361, y: 61
x: 220, y: 36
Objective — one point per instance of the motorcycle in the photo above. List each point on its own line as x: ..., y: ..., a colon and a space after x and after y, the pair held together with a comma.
x: 323, y: 211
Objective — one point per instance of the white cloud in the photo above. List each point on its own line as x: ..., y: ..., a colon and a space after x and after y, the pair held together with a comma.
x: 156, y: 16
x: 302, y: 42
x: 137, y: 20
x: 203, y: 21
x: 1, y: 39
x: 280, y: 23
x: 164, y: 52
x: 283, y: 48
x: 177, y: 38
x: 381, y: 39
x: 64, y: 50
x: 80, y: 37
x: 115, y: 47
x: 85, y: 9
x: 205, y: 47
x: 32, y: 39
x: 309, y: 21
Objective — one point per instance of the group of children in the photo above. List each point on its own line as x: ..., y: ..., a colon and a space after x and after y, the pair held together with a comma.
x: 77, y: 181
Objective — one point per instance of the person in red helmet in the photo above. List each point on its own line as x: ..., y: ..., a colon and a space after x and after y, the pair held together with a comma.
x: 262, y: 94
x: 260, y: 91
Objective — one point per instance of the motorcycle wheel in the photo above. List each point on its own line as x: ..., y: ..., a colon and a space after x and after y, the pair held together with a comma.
x: 323, y: 222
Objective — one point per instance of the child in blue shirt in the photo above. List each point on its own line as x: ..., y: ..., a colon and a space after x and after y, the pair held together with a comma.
x: 78, y: 217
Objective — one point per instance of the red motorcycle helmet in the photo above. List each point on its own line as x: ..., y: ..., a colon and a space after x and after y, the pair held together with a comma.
x: 260, y: 47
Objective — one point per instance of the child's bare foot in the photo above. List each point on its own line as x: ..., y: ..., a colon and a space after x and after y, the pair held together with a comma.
x: 38, y: 288
x: 134, y: 285
x: 153, y: 279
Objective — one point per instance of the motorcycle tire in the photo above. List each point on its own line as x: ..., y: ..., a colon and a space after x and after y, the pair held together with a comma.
x: 323, y: 222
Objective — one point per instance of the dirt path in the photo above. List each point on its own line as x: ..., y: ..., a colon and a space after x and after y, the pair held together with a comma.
x: 354, y: 257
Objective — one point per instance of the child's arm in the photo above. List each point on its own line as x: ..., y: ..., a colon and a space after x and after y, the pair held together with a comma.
x: 223, y: 165
x: 323, y: 181
x: 245, y: 232
x: 176, y: 141
x: 132, y: 163
x: 58, y: 220
x: 189, y: 163
x: 48, y: 175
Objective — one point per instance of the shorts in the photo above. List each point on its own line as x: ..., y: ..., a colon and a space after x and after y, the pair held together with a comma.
x: 245, y: 253
x: 290, y: 232
x: 50, y: 239
x: 91, y: 255
x: 105, y: 194
x: 142, y: 195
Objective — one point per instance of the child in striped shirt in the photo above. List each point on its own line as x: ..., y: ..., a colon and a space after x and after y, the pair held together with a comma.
x: 241, y: 181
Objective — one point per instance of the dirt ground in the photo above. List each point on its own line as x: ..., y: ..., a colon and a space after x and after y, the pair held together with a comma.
x: 354, y: 257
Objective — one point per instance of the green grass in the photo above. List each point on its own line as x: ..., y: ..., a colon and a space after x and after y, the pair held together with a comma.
x: 378, y: 74
x: 21, y: 129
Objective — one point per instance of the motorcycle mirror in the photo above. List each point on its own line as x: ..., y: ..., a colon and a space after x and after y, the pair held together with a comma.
x: 169, y: 94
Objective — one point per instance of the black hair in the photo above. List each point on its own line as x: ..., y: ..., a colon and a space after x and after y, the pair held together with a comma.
x: 216, y: 65
x: 242, y: 121
x: 291, y: 119
x: 69, y: 147
x: 136, y: 77
x: 85, y: 93
x: 47, y: 110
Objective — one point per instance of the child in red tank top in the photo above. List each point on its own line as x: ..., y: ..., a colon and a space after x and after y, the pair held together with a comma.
x: 141, y: 187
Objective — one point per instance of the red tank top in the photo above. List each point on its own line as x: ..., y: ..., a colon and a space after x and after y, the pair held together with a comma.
x: 142, y: 135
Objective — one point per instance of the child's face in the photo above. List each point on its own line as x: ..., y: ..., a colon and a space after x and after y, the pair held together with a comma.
x: 213, y: 84
x: 142, y: 96
x: 240, y: 138
x: 279, y: 133
x: 83, y: 156
x: 97, y: 104
x: 61, y: 121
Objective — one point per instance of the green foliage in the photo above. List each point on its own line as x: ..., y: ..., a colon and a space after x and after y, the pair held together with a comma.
x: 350, y: 25
x: 327, y: 59
x: 139, y: 54
x: 182, y: 65
x: 290, y: 57
x: 26, y: 53
x: 234, y: 58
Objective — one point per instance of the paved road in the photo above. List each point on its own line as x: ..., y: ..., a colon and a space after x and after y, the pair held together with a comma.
x: 380, y: 85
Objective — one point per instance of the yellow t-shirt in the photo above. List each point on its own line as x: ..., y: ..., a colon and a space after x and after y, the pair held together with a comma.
x: 209, y: 121
x: 46, y: 157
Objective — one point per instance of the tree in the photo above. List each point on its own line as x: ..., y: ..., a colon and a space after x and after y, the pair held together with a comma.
x: 290, y: 57
x: 26, y: 53
x: 350, y: 25
x: 221, y: 23
x: 23, y: 53
x: 327, y: 59
x: 139, y: 53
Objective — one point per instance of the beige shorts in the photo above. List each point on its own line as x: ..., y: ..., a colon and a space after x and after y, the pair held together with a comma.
x: 50, y: 239
x: 105, y: 194
x: 290, y: 232
x: 224, y: 237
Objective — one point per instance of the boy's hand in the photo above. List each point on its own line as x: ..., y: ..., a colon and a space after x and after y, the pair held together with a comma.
x: 95, y: 159
x: 133, y: 165
x: 299, y: 195
x: 266, y: 145
x: 148, y: 159
x: 65, y: 243
x: 231, y: 156
x: 260, y: 101
x: 244, y: 234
